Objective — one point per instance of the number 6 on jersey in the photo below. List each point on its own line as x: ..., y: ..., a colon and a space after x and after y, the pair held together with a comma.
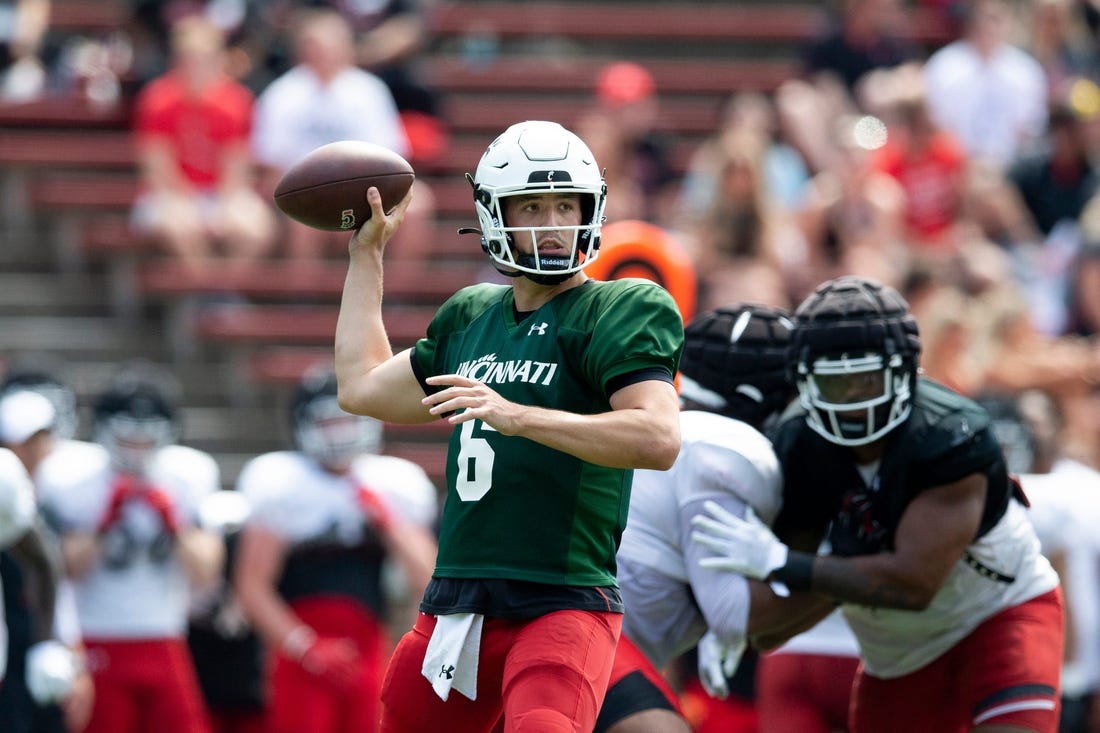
x: 475, y: 462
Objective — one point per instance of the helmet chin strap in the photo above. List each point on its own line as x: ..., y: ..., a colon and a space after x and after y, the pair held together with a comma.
x: 547, y: 277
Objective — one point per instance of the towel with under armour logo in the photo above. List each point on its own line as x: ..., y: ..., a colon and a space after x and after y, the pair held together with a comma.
x: 451, y: 658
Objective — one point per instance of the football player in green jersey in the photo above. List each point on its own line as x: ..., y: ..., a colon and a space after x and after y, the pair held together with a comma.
x: 557, y: 386
x: 934, y: 562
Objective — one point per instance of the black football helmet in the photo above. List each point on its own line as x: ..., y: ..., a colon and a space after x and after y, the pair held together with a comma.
x: 60, y: 395
x: 323, y: 430
x: 855, y: 350
x: 735, y: 362
x: 538, y: 157
x: 137, y: 415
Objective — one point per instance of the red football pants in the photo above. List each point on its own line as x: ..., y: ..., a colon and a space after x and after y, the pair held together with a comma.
x: 303, y: 703
x: 546, y: 675
x: 804, y: 693
x: 1006, y: 672
x: 629, y: 659
x: 145, y: 685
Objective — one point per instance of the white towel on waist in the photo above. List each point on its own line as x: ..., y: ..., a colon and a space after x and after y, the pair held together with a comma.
x: 451, y: 658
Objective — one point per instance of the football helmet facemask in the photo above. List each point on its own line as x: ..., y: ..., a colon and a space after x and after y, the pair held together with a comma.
x: 323, y: 431
x: 735, y: 362
x: 134, y: 418
x: 531, y: 158
x: 854, y: 351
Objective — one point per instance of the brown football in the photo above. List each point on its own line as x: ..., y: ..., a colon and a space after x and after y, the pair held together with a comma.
x: 327, y: 189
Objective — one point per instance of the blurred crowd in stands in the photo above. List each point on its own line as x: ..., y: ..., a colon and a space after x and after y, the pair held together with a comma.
x: 964, y: 175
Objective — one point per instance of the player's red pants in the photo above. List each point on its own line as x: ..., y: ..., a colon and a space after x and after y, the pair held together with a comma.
x: 546, y: 674
x: 304, y: 703
x: 635, y: 686
x: 804, y: 693
x: 1006, y: 672
x: 143, y: 686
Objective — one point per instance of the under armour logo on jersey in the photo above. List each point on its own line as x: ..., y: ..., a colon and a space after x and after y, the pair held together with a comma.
x: 538, y: 328
x: 447, y: 670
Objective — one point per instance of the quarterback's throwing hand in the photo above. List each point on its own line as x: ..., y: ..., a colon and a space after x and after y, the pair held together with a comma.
x: 744, y: 546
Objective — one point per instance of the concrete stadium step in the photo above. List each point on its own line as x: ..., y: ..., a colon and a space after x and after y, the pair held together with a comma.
x: 47, y: 293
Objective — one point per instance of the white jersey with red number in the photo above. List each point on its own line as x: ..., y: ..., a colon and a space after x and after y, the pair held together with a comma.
x: 293, y: 497
x: 670, y: 600
x: 142, y: 595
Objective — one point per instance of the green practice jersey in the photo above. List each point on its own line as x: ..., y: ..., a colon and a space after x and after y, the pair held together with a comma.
x: 516, y: 509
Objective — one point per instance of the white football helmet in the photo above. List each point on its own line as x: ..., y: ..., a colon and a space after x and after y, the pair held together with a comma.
x: 58, y: 393
x: 538, y: 157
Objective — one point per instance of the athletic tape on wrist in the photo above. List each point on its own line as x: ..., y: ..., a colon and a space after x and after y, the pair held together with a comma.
x: 798, y: 573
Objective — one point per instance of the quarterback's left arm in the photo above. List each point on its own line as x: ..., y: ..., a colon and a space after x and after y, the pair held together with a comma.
x: 642, y: 430
x: 932, y: 536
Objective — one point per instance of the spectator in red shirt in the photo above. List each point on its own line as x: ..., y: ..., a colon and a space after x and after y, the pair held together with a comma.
x: 930, y: 165
x: 192, y: 127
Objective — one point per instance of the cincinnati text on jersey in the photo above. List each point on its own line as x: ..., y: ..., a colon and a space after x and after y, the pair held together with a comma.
x: 490, y: 371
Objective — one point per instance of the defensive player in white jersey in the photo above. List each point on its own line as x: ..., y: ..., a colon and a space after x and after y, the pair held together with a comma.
x: 957, y: 614
x: 328, y: 520
x: 732, y: 381
x: 50, y: 666
x: 127, y: 515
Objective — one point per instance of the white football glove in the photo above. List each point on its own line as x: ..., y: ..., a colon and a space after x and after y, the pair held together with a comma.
x: 51, y: 669
x: 744, y: 546
x: 717, y: 663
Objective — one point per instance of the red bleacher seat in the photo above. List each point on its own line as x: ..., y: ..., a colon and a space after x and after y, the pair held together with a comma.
x: 513, y: 74
x: 309, y: 281
x: 307, y: 324
x: 686, y: 21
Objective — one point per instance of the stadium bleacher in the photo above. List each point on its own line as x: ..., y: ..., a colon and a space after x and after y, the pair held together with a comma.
x: 69, y: 175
